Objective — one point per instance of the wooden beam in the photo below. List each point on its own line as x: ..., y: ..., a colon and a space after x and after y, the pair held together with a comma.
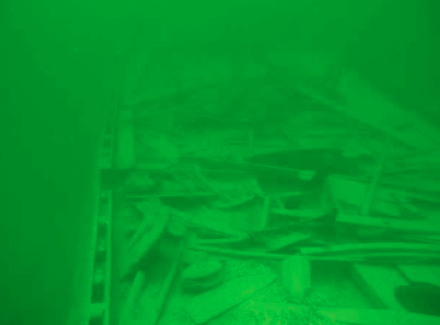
x: 412, y: 226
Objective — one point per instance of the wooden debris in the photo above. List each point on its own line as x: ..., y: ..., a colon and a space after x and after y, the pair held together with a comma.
x: 202, y: 275
x: 295, y: 272
x: 280, y: 242
x: 152, y: 315
x: 170, y: 195
x: 213, y: 303
x: 238, y: 253
x: 423, y: 238
x: 270, y: 256
x: 126, y: 316
x: 143, y: 240
x: 371, y: 248
x: 305, y: 215
x: 238, y: 148
x: 390, y: 258
x: 223, y: 241
x: 412, y: 226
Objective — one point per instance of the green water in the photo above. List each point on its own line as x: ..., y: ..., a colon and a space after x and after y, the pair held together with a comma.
x: 64, y: 63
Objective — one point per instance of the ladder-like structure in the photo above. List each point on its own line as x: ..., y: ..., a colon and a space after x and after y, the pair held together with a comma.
x: 102, y: 230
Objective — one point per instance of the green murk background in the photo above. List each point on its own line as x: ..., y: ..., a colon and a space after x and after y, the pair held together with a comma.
x: 64, y: 62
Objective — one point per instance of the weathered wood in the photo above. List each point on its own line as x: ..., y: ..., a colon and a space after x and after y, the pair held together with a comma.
x: 126, y: 316
x: 280, y: 242
x: 390, y: 258
x: 412, y: 226
x: 371, y: 248
x: 222, y: 241
x: 152, y: 315
x: 300, y: 214
x: 268, y: 256
x: 238, y: 253
x: 411, y: 190
x: 108, y: 260
x: 144, y: 242
x: 170, y: 195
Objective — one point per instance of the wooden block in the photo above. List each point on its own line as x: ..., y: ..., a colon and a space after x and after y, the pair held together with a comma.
x: 296, y: 276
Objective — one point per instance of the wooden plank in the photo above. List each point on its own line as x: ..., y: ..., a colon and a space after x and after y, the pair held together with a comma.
x: 384, y: 247
x: 280, y: 242
x: 378, y: 283
x: 144, y: 242
x: 108, y: 259
x: 152, y: 315
x: 416, y: 190
x: 130, y: 301
x: 171, y: 195
x: 267, y: 256
x: 299, y: 214
x: 389, y: 258
x: 390, y: 224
